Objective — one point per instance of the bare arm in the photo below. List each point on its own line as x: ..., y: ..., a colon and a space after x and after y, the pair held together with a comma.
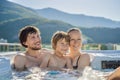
x: 52, y: 65
x: 115, y: 75
x: 45, y: 61
x: 19, y: 62
x: 69, y: 63
x: 83, y: 61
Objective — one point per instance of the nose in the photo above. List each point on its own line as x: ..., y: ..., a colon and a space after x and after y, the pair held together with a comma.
x: 38, y: 39
x: 75, y: 41
x: 66, y: 46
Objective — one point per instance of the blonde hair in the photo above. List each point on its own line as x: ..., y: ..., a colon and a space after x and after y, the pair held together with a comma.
x: 74, y: 29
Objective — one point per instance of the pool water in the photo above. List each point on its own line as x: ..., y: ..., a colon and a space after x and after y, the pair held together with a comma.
x: 36, y: 73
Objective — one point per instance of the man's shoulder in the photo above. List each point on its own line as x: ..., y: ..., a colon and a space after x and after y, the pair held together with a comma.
x: 19, y: 56
x: 19, y: 61
x: 45, y: 51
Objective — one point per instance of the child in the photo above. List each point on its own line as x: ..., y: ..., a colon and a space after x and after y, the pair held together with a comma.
x: 60, y: 45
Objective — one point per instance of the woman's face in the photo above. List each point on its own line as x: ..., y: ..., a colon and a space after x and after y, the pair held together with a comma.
x: 75, y: 41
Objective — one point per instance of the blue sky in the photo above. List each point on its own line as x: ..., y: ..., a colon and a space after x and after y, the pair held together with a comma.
x: 101, y: 8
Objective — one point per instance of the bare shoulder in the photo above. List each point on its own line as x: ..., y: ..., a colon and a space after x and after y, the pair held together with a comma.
x: 19, y: 61
x: 52, y: 57
x: 19, y: 57
x: 84, y: 61
x: 86, y: 58
x: 85, y: 55
x: 46, y: 52
x: 67, y: 56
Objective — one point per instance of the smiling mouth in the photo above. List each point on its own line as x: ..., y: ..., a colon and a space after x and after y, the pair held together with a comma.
x: 75, y: 47
x: 38, y: 43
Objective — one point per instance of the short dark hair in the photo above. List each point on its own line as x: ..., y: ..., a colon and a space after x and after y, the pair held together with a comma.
x: 23, y: 34
x: 57, y: 36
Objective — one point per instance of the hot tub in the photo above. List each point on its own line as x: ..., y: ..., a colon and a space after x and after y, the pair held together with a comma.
x: 101, y: 64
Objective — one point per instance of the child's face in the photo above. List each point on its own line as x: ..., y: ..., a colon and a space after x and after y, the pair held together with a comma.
x: 62, y: 46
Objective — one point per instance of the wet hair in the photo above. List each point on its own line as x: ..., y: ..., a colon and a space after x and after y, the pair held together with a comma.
x: 23, y: 34
x: 59, y: 35
x: 74, y: 29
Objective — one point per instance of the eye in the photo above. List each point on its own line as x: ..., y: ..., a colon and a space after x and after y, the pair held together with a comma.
x: 71, y: 39
x: 38, y: 36
x: 62, y: 43
x: 79, y: 39
x: 33, y: 37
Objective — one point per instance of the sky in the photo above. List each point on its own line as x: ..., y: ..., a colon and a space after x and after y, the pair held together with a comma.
x: 100, y: 8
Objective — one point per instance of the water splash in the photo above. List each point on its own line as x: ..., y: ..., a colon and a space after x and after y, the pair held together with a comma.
x: 90, y: 74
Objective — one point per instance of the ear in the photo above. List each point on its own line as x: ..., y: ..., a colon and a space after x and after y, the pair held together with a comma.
x: 53, y: 46
x: 25, y: 43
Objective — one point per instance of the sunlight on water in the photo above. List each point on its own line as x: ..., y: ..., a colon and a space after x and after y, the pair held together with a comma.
x: 36, y: 73
x: 89, y: 74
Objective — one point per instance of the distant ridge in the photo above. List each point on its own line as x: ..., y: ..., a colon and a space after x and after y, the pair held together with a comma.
x: 14, y: 16
x: 78, y: 19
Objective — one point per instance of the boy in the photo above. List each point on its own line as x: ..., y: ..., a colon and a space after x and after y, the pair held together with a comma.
x: 60, y: 45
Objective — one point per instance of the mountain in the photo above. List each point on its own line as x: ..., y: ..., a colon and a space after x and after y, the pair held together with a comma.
x: 78, y: 19
x: 102, y: 35
x: 14, y: 16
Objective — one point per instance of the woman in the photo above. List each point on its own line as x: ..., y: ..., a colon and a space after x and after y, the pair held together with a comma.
x: 81, y: 60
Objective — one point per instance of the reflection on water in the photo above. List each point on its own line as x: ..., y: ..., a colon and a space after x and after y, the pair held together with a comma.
x: 37, y: 74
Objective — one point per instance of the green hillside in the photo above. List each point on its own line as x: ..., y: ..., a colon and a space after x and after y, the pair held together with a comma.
x: 102, y: 35
x: 13, y: 17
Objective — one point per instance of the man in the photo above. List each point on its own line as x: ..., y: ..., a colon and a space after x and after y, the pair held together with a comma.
x: 34, y: 55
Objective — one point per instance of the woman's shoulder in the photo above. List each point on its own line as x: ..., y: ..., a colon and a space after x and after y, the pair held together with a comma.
x: 85, y: 55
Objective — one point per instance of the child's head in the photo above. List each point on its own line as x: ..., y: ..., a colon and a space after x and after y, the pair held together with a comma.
x: 60, y: 41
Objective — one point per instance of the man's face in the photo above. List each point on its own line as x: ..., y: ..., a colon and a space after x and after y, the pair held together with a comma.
x: 33, y: 41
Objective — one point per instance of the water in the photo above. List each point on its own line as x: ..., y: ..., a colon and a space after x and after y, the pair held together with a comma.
x: 5, y: 69
x: 36, y: 73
